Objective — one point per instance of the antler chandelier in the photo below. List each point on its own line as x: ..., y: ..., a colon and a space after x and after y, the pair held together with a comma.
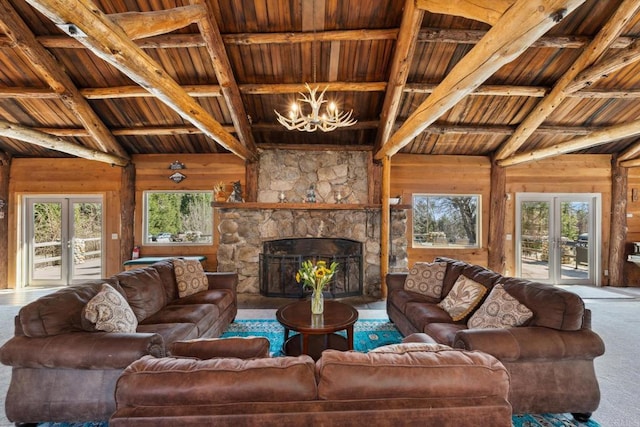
x: 330, y: 119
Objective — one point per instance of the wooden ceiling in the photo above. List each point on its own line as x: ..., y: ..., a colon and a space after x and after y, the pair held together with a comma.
x: 517, y: 80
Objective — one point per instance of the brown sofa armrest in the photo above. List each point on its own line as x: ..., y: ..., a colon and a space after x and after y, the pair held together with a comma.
x: 395, y: 281
x: 81, y: 350
x: 531, y: 343
x: 222, y: 280
x: 239, y: 347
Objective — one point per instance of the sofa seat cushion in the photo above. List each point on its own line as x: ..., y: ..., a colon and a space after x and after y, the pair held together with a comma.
x: 154, y: 382
x: 144, y: 291
x: 421, y: 314
x: 401, y: 298
x: 171, y: 332
x: 221, y: 298
x: 441, y: 372
x: 443, y: 333
x: 201, y: 315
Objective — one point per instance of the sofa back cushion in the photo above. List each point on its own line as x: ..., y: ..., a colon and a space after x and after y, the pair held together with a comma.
x: 552, y: 307
x: 159, y: 382
x: 440, y: 373
x: 61, y: 311
x: 168, y: 278
x: 144, y: 291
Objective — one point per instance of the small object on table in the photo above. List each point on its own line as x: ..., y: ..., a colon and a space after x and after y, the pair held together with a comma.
x: 316, y: 332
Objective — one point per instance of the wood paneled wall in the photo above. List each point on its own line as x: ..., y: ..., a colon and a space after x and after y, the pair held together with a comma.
x: 413, y: 174
x: 563, y: 174
x: 29, y: 177
x: 202, y: 172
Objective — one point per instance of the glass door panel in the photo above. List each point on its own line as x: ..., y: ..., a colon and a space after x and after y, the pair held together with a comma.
x: 46, y: 250
x: 534, y: 240
x: 86, y: 247
x: 574, y: 240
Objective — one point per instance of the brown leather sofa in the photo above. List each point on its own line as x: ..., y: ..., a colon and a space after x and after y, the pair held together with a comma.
x: 438, y: 386
x: 549, y: 358
x: 64, y: 370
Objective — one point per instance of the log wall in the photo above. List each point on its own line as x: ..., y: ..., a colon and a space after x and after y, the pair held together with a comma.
x: 631, y: 272
x: 413, y: 174
x: 563, y: 174
x: 202, y: 172
x: 29, y: 177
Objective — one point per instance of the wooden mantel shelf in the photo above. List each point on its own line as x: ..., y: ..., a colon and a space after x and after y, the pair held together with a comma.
x: 304, y: 206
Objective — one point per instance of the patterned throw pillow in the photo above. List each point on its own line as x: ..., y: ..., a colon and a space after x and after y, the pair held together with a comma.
x: 500, y: 310
x: 426, y: 279
x: 462, y: 298
x: 110, y: 311
x: 189, y: 276
x: 409, y: 347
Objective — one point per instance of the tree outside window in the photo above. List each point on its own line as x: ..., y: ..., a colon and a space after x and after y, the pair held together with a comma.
x: 178, y: 217
x: 446, y: 221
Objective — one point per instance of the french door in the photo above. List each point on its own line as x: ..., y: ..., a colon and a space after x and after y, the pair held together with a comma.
x: 558, y: 238
x: 63, y: 240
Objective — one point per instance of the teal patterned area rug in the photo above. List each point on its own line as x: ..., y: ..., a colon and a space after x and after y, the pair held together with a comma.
x: 368, y: 334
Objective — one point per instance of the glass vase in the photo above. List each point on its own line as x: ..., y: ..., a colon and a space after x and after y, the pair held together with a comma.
x: 317, y: 302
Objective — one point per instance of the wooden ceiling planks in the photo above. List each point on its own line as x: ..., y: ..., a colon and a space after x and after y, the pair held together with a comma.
x: 264, y: 44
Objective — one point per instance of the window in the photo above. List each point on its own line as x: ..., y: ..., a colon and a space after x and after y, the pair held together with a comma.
x: 178, y: 217
x: 450, y: 221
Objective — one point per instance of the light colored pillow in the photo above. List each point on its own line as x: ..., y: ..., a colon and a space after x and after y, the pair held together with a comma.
x: 409, y: 347
x: 463, y: 298
x: 499, y: 310
x: 109, y: 311
x: 189, y: 276
x: 426, y: 278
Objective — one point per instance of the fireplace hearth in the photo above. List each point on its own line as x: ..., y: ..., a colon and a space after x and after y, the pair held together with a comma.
x: 280, y: 260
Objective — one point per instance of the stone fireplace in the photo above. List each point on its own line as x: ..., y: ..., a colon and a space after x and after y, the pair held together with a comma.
x: 244, y: 228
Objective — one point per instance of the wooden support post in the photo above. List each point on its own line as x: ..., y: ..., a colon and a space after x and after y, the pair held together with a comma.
x: 497, y: 210
x: 385, y: 228
x: 618, y: 233
x: 5, y: 166
x: 127, y: 210
x: 251, y: 181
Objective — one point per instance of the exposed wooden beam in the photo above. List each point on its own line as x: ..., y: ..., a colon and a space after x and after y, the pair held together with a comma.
x: 599, y: 137
x: 402, y: 56
x: 41, y: 139
x: 53, y: 73
x: 631, y: 163
x: 139, y: 92
x: 609, y: 32
x: 489, y: 11
x: 109, y: 42
x: 605, y: 67
x: 518, y: 27
x: 222, y: 67
x: 426, y: 35
x: 628, y: 154
x: 139, y: 25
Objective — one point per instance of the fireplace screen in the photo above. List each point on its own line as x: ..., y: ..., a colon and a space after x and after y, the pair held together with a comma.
x: 281, y: 259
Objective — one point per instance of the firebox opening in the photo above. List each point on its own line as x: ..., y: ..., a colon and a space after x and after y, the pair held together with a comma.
x: 281, y: 259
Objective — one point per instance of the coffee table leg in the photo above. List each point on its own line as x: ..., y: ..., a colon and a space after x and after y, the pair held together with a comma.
x: 350, y: 337
x: 305, y: 343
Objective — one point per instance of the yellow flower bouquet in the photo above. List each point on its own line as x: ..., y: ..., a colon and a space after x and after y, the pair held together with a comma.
x: 315, y: 276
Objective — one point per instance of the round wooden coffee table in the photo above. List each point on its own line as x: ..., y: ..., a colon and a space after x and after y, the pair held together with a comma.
x: 316, y: 332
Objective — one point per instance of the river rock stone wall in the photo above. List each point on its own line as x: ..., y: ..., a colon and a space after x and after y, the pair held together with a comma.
x: 242, y: 231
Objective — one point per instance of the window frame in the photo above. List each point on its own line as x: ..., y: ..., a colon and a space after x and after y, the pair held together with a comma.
x: 421, y: 245
x: 145, y: 219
